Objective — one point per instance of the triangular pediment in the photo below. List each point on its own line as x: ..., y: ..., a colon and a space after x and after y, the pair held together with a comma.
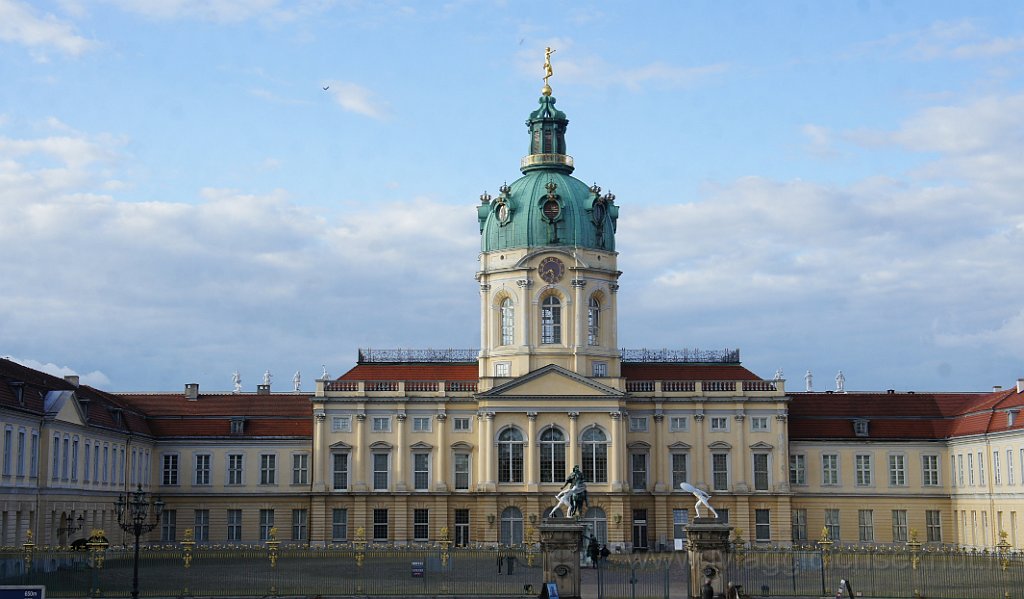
x: 761, y: 445
x: 63, y: 406
x: 679, y: 445
x: 719, y: 445
x: 553, y: 381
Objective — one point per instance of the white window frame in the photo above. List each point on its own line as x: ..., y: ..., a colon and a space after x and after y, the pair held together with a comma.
x: 767, y: 473
x: 862, y: 470
x: 169, y: 469
x: 421, y: 424
x: 374, y: 471
x: 638, y: 424
x: 230, y: 472
x: 599, y: 369
x: 268, y: 469
x: 300, y: 468
x: 341, y: 424
x: 421, y: 475
x: 798, y: 469
x: 719, y: 424
x: 897, y: 470
x: 930, y: 472
x: 381, y: 424
x: 759, y: 424
x: 503, y: 369
x: 462, y: 424
x: 678, y: 424
x: 197, y: 479
x: 342, y: 458
x: 726, y: 473
x: 830, y: 476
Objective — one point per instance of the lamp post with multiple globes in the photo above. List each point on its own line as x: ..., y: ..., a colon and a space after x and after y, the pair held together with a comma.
x: 138, y: 515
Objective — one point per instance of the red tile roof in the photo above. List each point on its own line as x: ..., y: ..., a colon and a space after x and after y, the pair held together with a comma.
x: 645, y: 371
x: 412, y: 372
x: 274, y: 415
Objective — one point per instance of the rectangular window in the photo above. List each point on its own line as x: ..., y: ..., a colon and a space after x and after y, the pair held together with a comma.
x: 380, y: 525
x: 382, y: 424
x: 799, y: 524
x: 981, y: 469
x: 237, y: 426
x: 300, y: 469
x: 299, y: 525
x: 66, y: 461
x: 170, y: 469
x: 797, y: 469
x: 638, y: 461
x: 899, y: 526
x: 340, y: 471
x: 462, y: 471
x: 74, y: 459
x: 420, y: 525
x: 551, y: 320
x: 106, y: 465
x: 759, y: 424
x: 970, y: 469
x: 600, y: 369
x: 169, y: 526
x: 421, y: 471
x: 421, y: 424
x: 266, y: 523
x: 866, y: 526
x: 830, y: 469
x: 234, y: 525
x: 339, y: 525
x: 502, y: 369
x: 8, y: 449
x: 720, y: 471
x: 862, y: 468
x: 930, y: 470
x: 268, y: 469
x: 461, y: 527
x: 341, y: 424
x: 679, y: 474
x: 897, y: 470
x: 34, y: 455
x: 638, y: 424
x: 236, y: 468
x: 1009, y: 466
x: 760, y: 471
x: 86, y: 469
x: 960, y: 467
x: 20, y: 456
x: 933, y: 524
x: 832, y: 524
x: 460, y: 425
x: 995, y: 468
x: 55, y: 471
x: 201, y: 526
x: 678, y: 424
x: 202, y: 469
x: 719, y: 423
x: 762, y: 526
x: 380, y: 471
x: 680, y: 518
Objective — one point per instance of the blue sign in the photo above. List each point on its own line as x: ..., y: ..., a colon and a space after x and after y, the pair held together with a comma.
x: 22, y: 592
x: 552, y: 590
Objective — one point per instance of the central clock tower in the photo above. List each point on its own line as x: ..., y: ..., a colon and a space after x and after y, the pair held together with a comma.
x: 548, y: 275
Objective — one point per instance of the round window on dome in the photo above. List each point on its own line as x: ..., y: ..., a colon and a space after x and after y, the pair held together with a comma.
x: 551, y: 209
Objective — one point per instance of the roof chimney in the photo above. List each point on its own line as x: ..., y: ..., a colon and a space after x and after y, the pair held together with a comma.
x: 191, y: 391
x: 262, y: 389
x: 71, y: 378
x: 891, y: 391
x: 1020, y: 385
x: 997, y: 388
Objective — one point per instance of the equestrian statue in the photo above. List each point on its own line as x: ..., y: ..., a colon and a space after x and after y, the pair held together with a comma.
x: 574, y: 497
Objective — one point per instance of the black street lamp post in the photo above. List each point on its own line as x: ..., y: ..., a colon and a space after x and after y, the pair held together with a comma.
x: 133, y: 516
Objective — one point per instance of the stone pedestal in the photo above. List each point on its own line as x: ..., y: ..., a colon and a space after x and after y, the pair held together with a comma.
x: 707, y: 543
x: 560, y: 543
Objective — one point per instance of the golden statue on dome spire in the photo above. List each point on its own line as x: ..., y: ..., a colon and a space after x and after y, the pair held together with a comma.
x: 546, y: 90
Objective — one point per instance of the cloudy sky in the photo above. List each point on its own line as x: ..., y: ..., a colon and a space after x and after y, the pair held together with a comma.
x: 823, y: 185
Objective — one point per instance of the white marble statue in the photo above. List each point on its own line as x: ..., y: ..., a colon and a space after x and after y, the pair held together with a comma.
x: 809, y: 381
x: 297, y: 381
x: 236, y: 380
x: 778, y: 375
x: 840, y: 383
x: 702, y: 498
x: 325, y: 376
x: 266, y: 378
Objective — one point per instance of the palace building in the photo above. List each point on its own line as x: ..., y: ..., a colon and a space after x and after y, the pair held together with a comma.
x: 408, y: 444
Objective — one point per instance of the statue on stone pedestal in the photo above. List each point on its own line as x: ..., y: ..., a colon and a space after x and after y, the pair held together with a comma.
x: 573, y: 498
x: 236, y: 380
x: 702, y: 499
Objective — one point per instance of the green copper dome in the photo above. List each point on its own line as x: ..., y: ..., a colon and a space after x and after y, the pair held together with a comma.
x: 547, y: 206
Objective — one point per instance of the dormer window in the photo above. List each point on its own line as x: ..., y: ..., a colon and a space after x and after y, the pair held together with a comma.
x: 237, y: 426
x: 860, y: 427
x: 116, y: 414
x: 19, y: 392
x: 1011, y: 417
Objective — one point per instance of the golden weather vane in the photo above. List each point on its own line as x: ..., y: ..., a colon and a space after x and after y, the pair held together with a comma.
x: 546, y: 90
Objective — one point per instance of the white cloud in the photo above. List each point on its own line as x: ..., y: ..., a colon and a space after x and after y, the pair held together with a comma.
x: 225, y: 11
x: 958, y: 40
x: 95, y: 378
x: 21, y: 24
x: 358, y: 99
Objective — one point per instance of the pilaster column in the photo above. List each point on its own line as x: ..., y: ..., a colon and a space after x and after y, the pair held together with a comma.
x: 578, y: 286
x: 532, y: 443
x: 359, y: 455
x: 488, y: 445
x: 613, y: 333
x: 485, y: 313
x: 400, y: 449
x: 614, y: 463
x: 441, y: 471
x: 700, y: 451
x: 782, y: 460
x: 321, y: 454
x: 573, y: 455
x: 659, y: 456
x: 740, y: 461
x: 526, y: 307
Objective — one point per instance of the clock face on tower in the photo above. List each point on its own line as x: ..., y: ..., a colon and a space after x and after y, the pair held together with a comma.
x: 551, y: 269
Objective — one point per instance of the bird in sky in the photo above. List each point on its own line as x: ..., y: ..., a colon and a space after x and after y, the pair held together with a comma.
x: 327, y: 87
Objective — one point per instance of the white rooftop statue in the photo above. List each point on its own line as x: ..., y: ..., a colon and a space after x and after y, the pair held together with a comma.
x: 266, y: 377
x: 778, y: 375
x: 297, y: 381
x: 236, y: 380
x: 702, y: 498
x: 325, y: 376
x: 809, y: 380
x: 840, y: 383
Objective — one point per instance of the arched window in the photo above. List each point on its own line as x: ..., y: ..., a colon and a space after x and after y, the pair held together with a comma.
x: 510, y: 456
x: 597, y: 524
x: 511, y: 526
x: 551, y: 320
x: 595, y: 455
x: 594, y: 322
x: 552, y: 456
x: 508, y: 321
